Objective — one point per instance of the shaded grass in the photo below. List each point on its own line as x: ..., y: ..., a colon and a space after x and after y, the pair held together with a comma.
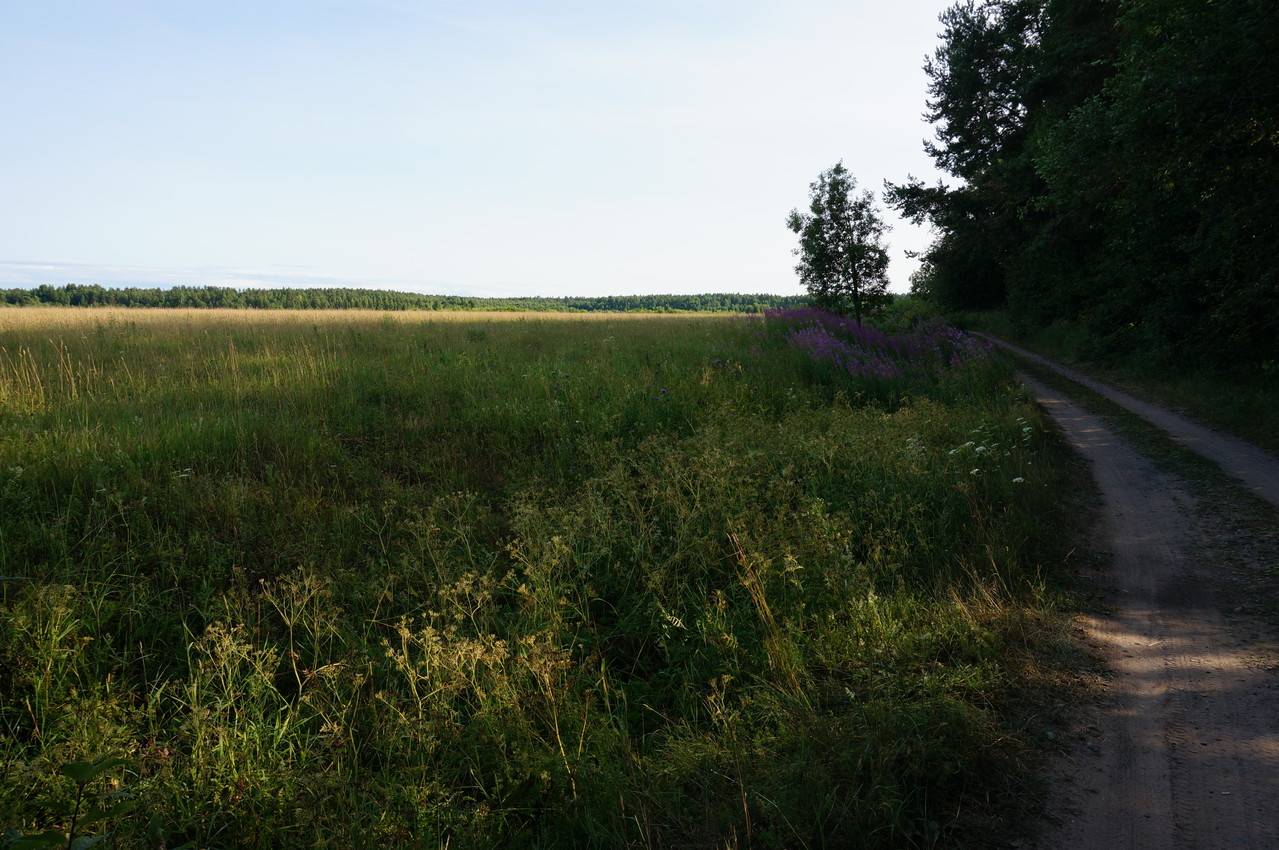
x: 486, y: 583
x: 1243, y: 400
x: 1246, y: 538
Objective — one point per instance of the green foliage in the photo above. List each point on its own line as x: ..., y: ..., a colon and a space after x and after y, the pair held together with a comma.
x: 843, y: 262
x: 905, y: 312
x: 1180, y: 190
x: 1119, y: 172
x: 1239, y: 400
x: 80, y: 812
x: 491, y: 583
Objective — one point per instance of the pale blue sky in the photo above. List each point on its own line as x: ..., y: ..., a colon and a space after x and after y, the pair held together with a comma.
x: 544, y: 147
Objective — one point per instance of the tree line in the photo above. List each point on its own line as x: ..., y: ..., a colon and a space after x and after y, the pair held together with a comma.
x: 1117, y: 170
x: 93, y: 295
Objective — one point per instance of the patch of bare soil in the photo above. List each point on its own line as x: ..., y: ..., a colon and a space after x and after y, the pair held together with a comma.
x: 1182, y: 750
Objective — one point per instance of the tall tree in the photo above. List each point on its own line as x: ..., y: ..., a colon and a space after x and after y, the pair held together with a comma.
x: 979, y: 81
x: 1118, y: 171
x: 1005, y: 70
x: 1175, y: 163
x: 843, y: 261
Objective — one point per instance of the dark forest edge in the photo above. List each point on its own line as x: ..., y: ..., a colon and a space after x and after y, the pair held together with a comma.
x: 223, y: 297
x: 1116, y: 175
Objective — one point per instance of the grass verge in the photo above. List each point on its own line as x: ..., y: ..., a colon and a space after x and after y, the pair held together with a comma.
x: 1245, y: 538
x: 1243, y: 401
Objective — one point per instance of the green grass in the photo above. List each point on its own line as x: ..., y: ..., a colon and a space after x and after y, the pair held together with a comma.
x: 361, y: 580
x: 1243, y: 400
x: 1245, y: 543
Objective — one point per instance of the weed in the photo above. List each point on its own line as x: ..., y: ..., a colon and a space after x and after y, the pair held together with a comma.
x: 502, y: 581
x: 79, y: 812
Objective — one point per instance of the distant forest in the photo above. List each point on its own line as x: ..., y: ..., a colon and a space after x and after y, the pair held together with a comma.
x: 1117, y: 173
x: 77, y: 295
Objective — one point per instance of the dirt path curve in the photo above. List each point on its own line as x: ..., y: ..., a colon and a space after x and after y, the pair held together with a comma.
x: 1258, y: 470
x: 1184, y: 750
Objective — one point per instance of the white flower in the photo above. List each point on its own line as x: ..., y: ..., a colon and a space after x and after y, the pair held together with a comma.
x: 1018, y: 480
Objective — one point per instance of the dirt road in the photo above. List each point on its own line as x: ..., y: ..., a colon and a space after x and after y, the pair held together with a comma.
x: 1183, y: 752
x: 1257, y: 470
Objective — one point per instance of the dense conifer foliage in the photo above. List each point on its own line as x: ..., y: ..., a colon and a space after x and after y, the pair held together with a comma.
x: 1118, y: 168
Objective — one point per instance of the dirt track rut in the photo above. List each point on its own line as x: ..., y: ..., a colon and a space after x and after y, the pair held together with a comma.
x: 1183, y: 752
x: 1257, y: 470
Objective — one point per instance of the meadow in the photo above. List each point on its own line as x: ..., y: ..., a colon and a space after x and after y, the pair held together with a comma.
x: 355, y: 579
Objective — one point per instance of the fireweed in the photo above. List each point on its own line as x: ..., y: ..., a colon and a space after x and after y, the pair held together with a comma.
x: 926, y: 352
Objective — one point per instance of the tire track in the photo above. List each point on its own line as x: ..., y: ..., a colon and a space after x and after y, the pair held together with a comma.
x: 1184, y: 752
x: 1258, y: 470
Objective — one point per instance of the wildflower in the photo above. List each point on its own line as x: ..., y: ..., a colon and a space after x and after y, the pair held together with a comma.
x: 1019, y: 480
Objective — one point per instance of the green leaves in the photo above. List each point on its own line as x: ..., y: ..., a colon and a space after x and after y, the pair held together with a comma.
x: 1118, y: 172
x: 14, y: 840
x: 105, y: 806
x: 842, y: 259
x: 84, y: 772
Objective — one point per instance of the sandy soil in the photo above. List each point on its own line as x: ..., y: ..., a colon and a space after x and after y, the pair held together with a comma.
x: 1183, y: 749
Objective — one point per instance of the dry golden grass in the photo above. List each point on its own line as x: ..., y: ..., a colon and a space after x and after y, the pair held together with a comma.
x: 71, y: 318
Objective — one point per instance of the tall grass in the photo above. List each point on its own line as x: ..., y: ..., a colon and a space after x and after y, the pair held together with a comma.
x: 356, y: 581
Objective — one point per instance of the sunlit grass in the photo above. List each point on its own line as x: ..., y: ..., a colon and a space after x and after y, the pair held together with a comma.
x: 438, y: 580
x: 62, y: 319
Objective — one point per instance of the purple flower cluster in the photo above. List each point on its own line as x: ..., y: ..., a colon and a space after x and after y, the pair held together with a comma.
x: 926, y: 351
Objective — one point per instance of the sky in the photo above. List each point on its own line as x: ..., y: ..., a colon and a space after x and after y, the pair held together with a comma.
x: 484, y: 148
